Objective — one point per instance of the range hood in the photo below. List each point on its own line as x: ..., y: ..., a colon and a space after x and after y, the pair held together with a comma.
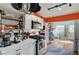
x: 20, y: 8
x: 10, y: 8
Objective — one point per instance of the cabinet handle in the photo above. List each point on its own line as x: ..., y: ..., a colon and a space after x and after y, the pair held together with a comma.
x: 18, y: 53
x: 0, y: 53
x: 18, y: 49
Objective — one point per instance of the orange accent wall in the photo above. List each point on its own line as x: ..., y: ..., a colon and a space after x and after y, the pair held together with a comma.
x: 38, y: 15
x: 74, y: 16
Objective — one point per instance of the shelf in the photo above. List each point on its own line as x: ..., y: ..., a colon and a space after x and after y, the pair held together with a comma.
x: 36, y: 22
x: 9, y: 22
x: 8, y: 18
x: 8, y: 25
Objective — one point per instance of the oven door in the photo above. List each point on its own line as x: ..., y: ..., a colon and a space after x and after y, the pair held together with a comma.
x: 41, y: 47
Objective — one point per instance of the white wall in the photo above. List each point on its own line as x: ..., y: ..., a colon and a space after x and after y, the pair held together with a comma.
x: 28, y: 21
x: 46, y: 34
x: 76, y: 34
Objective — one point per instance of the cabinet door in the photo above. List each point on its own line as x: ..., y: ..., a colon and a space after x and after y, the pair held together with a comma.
x: 10, y: 53
x: 8, y: 50
x: 24, y: 50
x: 31, y: 49
x: 2, y: 53
x: 18, y: 51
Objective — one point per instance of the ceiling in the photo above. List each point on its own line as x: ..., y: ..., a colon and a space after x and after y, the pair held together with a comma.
x: 44, y: 9
x: 55, y: 11
x: 9, y: 9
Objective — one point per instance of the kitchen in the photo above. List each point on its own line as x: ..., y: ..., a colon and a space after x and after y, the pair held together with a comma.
x: 34, y: 28
x: 14, y: 28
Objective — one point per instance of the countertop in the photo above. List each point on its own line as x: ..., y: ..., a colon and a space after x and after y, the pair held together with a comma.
x: 27, y: 41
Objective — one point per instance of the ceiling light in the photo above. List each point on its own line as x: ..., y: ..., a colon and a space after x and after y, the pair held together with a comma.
x: 2, y: 30
x: 70, y: 5
x: 59, y: 8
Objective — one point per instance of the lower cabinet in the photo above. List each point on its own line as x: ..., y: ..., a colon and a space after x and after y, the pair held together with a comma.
x: 10, y: 53
x: 31, y: 49
x: 22, y: 48
x: 28, y: 50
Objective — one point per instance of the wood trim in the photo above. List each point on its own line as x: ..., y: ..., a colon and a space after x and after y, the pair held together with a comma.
x: 36, y: 22
x: 10, y: 19
x: 38, y: 15
x: 7, y: 26
x: 68, y: 17
x: 73, y: 16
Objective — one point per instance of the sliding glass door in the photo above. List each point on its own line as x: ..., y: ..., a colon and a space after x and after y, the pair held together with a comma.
x: 64, y: 30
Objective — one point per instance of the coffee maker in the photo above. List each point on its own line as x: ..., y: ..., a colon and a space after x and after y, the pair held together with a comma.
x: 16, y: 38
x: 6, y: 39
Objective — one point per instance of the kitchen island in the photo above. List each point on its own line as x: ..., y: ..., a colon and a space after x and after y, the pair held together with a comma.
x: 25, y: 47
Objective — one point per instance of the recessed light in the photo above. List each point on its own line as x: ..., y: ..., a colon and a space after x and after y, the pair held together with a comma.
x: 28, y: 12
x: 2, y: 30
x: 59, y: 8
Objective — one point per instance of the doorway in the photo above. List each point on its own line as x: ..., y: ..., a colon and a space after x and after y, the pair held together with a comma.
x: 62, y: 40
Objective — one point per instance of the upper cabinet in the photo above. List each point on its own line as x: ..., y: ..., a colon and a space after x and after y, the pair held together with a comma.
x: 9, y: 22
x: 33, y: 22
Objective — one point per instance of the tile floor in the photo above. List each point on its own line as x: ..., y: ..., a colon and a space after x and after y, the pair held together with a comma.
x: 60, y: 47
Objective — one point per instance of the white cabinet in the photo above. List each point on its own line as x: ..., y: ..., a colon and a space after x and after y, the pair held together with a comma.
x: 10, y: 53
x: 24, y: 52
x: 23, y: 48
x: 18, y: 52
x: 28, y: 22
x: 7, y: 50
x: 31, y: 49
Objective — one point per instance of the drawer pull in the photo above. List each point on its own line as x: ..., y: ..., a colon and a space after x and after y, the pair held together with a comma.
x: 18, y: 49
